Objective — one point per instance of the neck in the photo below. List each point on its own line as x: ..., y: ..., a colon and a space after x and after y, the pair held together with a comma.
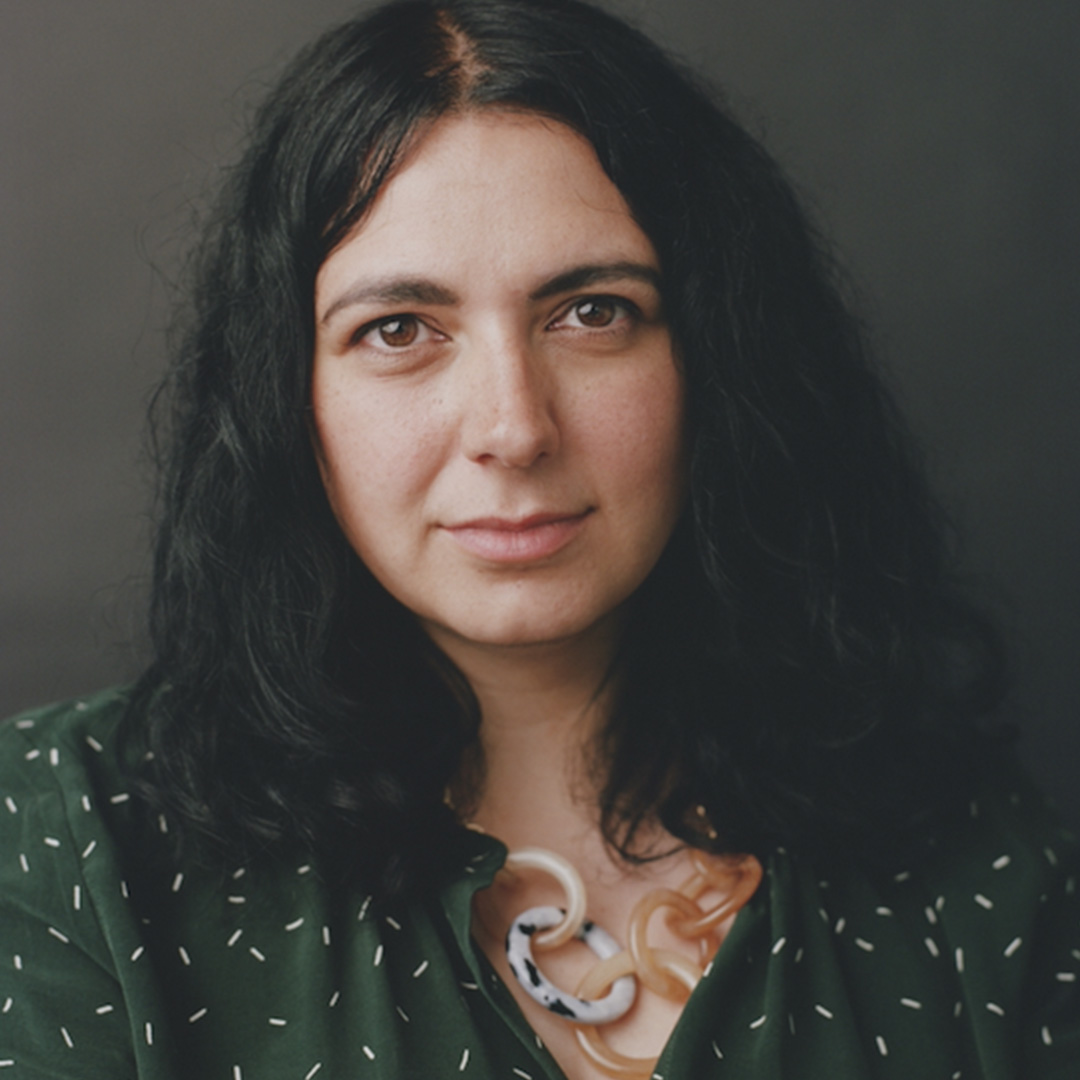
x: 541, y: 709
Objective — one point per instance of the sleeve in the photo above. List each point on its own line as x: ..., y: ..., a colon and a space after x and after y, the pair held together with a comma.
x: 62, y: 1012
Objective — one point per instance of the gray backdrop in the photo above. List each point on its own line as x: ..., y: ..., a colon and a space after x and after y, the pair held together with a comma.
x: 937, y: 139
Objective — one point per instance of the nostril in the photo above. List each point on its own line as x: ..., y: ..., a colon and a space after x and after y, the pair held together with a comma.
x: 509, y: 417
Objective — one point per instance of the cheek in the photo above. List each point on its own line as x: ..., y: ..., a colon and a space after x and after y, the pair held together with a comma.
x: 373, y: 458
x: 639, y: 433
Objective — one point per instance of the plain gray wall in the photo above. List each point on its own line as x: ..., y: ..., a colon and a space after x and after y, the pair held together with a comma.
x: 937, y: 139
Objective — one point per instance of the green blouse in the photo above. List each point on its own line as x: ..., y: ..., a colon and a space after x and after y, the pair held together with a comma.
x: 962, y: 966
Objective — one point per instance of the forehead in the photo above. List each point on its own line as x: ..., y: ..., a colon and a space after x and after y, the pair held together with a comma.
x: 498, y: 195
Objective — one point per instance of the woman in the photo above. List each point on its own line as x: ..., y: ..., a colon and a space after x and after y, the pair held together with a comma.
x: 529, y: 489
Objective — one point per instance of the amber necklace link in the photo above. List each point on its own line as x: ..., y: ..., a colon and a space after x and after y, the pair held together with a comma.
x: 608, y: 990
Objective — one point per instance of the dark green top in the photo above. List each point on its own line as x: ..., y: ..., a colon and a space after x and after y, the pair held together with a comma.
x: 964, y: 965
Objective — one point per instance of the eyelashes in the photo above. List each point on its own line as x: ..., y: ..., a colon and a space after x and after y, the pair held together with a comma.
x: 395, y: 332
x: 600, y: 312
x: 589, y: 314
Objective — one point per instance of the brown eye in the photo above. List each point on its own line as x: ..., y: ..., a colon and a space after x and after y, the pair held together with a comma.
x: 596, y: 312
x: 399, y: 331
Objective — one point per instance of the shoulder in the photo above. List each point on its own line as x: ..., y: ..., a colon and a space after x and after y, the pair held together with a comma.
x: 1008, y: 848
x: 50, y: 755
x: 972, y: 932
x: 61, y: 788
x: 999, y: 893
x: 79, y: 724
x: 65, y: 920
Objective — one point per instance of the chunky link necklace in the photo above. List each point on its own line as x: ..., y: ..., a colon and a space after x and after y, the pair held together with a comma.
x: 610, y: 988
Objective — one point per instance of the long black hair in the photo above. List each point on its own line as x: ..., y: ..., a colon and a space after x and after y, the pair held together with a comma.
x: 798, y: 662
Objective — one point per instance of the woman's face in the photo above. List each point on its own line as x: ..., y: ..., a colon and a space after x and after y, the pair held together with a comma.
x: 499, y: 414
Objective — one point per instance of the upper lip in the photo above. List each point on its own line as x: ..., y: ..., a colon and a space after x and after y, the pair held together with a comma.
x: 518, y: 524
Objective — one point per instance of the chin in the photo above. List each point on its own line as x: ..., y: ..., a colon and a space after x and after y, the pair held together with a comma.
x: 519, y: 630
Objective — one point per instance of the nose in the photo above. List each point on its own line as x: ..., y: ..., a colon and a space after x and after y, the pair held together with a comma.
x: 509, y: 415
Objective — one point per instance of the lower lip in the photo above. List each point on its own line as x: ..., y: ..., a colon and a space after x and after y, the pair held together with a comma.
x: 519, y: 545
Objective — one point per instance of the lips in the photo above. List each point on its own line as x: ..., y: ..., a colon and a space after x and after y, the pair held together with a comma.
x: 518, y: 540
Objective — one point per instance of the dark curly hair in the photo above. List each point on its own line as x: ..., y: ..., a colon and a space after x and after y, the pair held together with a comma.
x: 799, y: 661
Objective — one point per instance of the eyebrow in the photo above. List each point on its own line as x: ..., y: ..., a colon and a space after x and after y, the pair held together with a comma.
x: 424, y: 291
x: 391, y: 291
x: 581, y: 277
